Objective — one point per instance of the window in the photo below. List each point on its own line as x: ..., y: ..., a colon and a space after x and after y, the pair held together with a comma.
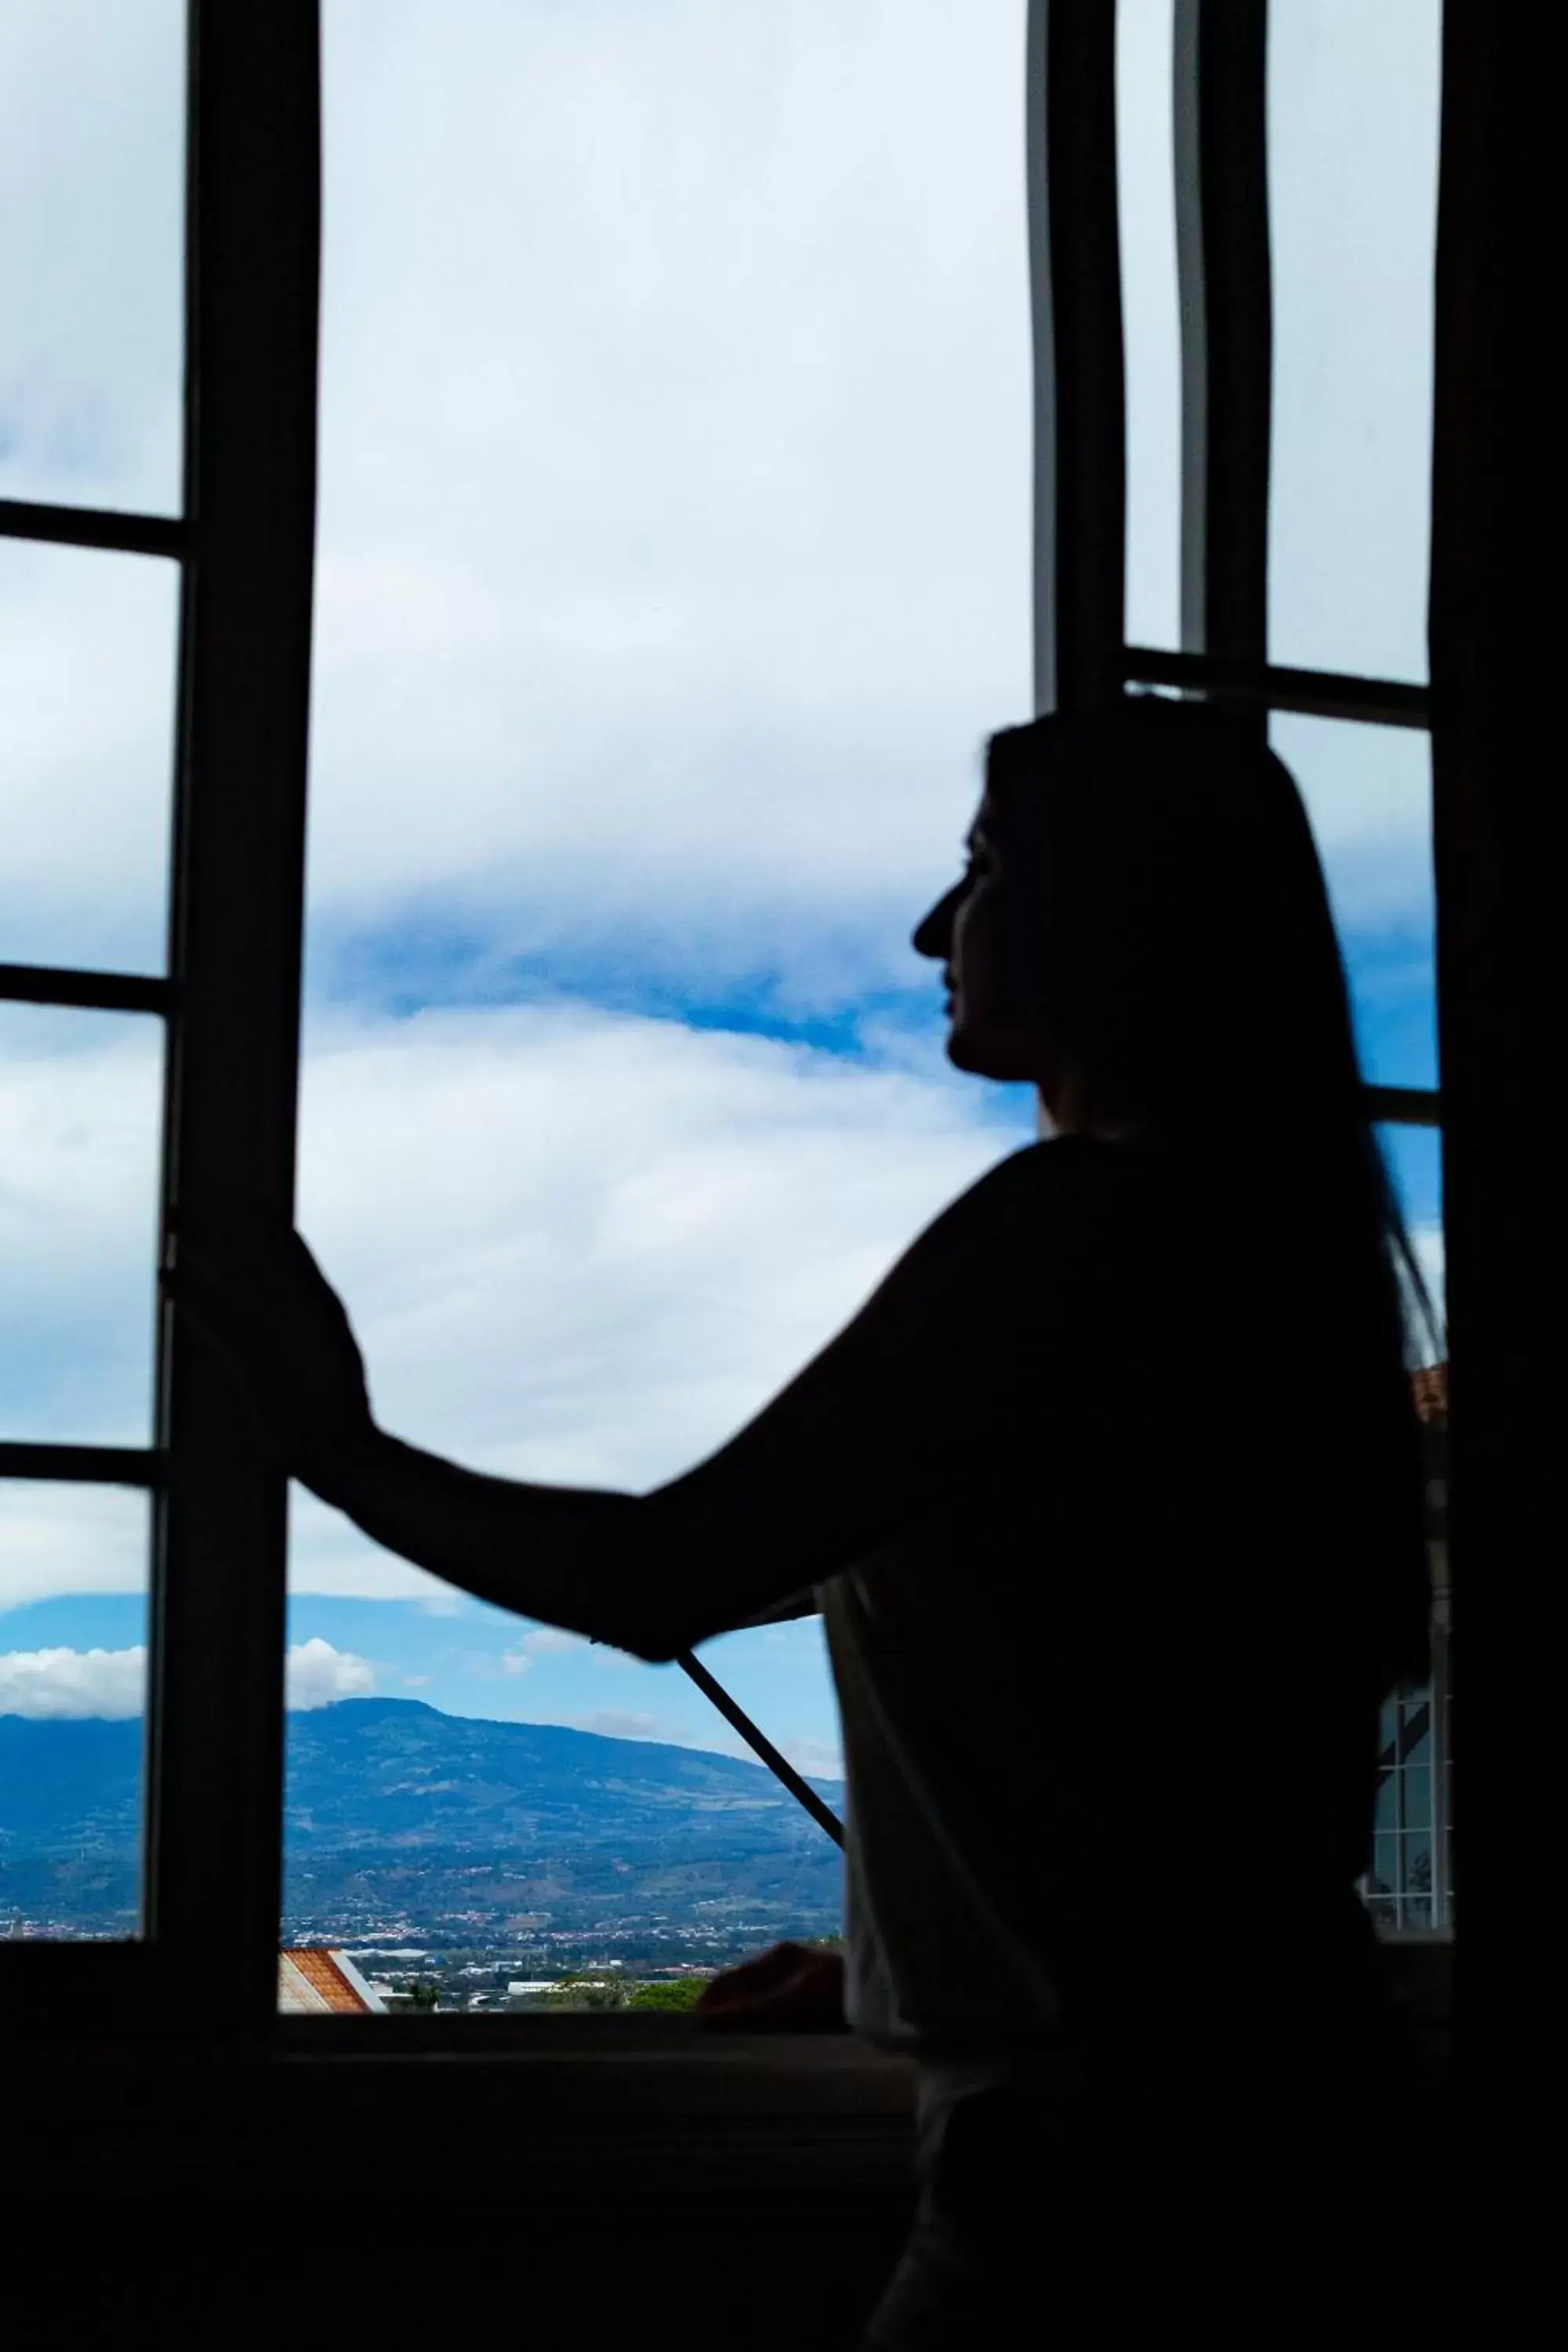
x: 111, y: 1453
x: 1286, y: 293
x: 100, y: 1452
x: 645, y: 720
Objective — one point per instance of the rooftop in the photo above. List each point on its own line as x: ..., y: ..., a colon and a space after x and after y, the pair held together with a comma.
x: 314, y: 1982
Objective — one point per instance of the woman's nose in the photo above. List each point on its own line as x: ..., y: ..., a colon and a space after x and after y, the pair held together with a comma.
x: 932, y: 934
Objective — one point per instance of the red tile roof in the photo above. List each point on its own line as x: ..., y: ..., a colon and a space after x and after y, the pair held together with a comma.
x: 311, y: 1979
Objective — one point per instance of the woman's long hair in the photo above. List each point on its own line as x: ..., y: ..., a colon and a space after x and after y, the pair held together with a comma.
x: 1175, y: 944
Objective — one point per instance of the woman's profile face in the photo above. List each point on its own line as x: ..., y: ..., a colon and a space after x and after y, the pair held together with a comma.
x: 973, y: 929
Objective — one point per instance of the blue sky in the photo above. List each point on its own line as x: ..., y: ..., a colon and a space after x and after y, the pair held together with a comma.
x: 673, y: 566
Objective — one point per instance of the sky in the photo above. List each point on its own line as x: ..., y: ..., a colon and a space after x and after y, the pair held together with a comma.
x: 673, y: 566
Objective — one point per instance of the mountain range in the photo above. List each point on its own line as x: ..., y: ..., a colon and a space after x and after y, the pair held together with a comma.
x: 393, y: 1807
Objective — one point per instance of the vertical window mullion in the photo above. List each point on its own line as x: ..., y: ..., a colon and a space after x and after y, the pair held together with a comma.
x: 1401, y: 1822
x: 1075, y: 272
x: 215, y: 1696
x: 1226, y: 324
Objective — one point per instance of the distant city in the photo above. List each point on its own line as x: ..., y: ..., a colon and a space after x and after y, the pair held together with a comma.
x: 472, y: 1866
x: 461, y: 1864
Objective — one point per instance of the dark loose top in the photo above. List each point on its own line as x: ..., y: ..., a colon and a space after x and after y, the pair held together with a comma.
x: 1111, y: 1698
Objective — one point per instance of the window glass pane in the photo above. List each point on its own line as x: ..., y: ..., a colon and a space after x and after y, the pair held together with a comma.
x: 1418, y: 1798
x: 92, y: 109
x: 1415, y: 1161
x: 1413, y: 1157
x: 73, y: 1661
x: 648, y: 722
x: 1368, y: 791
x: 1417, y: 1735
x: 1353, y: 102
x: 88, y: 651
x: 80, y: 1110
x: 1150, y: 320
x: 490, y: 1804
x: 1387, y: 1813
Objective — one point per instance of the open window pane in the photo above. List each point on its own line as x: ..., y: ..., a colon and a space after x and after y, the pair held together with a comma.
x: 1414, y: 1158
x: 88, y: 652
x: 1353, y: 105
x: 92, y: 121
x: 1368, y: 791
x: 73, y: 1670
x: 81, y: 1109
x: 514, y: 1819
x: 1150, y: 320
x: 648, y: 722
x: 1410, y: 1889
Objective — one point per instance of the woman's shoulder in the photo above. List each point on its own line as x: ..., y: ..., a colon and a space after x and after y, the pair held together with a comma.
x: 1051, y: 1202
x: 1072, y: 1173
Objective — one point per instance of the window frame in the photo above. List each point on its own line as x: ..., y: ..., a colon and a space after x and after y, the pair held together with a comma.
x: 206, y: 1967
x: 1082, y: 660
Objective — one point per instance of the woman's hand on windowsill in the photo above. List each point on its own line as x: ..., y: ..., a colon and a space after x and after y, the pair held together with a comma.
x: 792, y: 1989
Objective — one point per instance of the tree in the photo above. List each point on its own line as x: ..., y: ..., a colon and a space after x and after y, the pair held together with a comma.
x: 673, y: 1994
x: 586, y: 1992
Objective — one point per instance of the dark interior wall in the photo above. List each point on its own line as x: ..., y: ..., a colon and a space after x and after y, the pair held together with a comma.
x: 1496, y: 606
x: 605, y: 2201
x: 1496, y: 601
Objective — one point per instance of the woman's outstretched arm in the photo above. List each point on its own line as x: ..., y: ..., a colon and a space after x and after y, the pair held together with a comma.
x: 885, y: 1424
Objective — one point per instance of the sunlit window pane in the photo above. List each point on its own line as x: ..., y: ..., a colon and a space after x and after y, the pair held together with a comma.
x: 1368, y: 791
x: 92, y: 119
x: 675, y: 564
x: 73, y: 1670
x: 88, y: 651
x: 1150, y: 320
x: 1354, y: 104
x: 1415, y: 1159
x: 81, y: 1113
x: 1410, y: 1887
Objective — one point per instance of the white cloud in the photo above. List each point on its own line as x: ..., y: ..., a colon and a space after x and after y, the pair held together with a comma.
x: 59, y: 1539
x: 544, y: 1642
x: 114, y: 1682
x: 316, y: 1673
x: 329, y: 1555
x: 87, y: 681
x: 60, y: 1683
x: 1354, y: 113
x: 817, y: 1759
x: 1368, y: 792
x: 80, y: 1113
x: 91, y: 190
x: 698, y: 366
x: 550, y: 1641
x: 613, y: 656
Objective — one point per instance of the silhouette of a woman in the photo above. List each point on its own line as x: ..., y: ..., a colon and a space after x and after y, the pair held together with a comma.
x: 1113, y: 1493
